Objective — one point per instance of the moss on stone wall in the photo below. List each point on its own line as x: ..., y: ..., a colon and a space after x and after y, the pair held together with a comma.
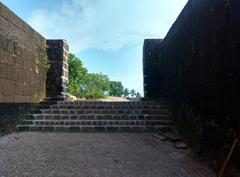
x: 22, y: 60
x: 12, y: 114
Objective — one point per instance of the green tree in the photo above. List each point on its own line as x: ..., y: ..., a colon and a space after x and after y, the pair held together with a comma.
x: 95, y: 86
x: 84, y: 84
x: 126, y: 93
x: 76, y: 76
x: 116, y: 89
x: 138, y: 95
x: 132, y: 93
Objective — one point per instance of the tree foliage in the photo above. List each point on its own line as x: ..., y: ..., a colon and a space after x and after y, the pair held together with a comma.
x: 126, y: 92
x: 76, y: 76
x: 133, y: 93
x: 116, y: 88
x: 84, y: 84
x: 93, y: 86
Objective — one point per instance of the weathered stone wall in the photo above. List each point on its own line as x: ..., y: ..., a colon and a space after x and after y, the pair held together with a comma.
x: 57, y: 76
x: 22, y: 60
x: 198, y: 63
x: 151, y: 77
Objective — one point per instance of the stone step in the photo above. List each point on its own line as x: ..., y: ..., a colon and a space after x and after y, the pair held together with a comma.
x: 48, y: 103
x: 109, y: 103
x: 36, y: 111
x: 56, y: 99
x: 108, y: 107
x: 106, y: 111
x: 87, y: 128
x: 98, y: 116
x: 101, y: 116
x: 41, y: 106
x: 97, y: 122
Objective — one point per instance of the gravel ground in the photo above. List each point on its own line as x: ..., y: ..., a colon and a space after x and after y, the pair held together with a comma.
x: 94, y: 155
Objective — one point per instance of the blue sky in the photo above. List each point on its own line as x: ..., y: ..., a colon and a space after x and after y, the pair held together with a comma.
x: 107, y: 35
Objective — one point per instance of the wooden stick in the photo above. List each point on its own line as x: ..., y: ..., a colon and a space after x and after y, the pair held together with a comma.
x: 163, y: 139
x: 164, y: 134
x: 228, y: 157
x: 172, y: 138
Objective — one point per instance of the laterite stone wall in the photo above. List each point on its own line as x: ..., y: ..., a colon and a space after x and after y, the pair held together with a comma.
x: 22, y: 60
x: 197, y: 65
x: 151, y: 76
x: 57, y: 75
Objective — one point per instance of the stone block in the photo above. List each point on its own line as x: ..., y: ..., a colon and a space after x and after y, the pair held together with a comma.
x: 7, y: 99
x: 100, y: 129
x: 23, y: 128
x: 7, y: 87
x: 112, y: 129
x: 74, y: 129
x: 62, y: 129
x: 19, y: 44
x: 138, y: 129
x: 124, y: 129
x: 6, y: 71
x: 87, y: 129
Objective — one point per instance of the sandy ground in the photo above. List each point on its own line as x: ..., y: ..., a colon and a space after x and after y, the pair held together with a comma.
x: 94, y: 155
x: 109, y: 98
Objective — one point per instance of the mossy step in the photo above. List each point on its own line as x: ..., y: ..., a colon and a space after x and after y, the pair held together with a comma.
x: 87, y: 128
x: 97, y: 122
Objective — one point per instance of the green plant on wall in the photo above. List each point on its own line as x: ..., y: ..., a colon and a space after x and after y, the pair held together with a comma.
x: 47, y: 64
x: 37, y: 70
x: 8, y: 123
x: 14, y: 54
x: 37, y: 60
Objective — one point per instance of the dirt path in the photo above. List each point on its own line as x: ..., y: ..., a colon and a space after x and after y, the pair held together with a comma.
x: 93, y: 155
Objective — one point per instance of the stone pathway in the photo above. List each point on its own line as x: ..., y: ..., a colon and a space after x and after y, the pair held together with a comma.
x: 94, y: 155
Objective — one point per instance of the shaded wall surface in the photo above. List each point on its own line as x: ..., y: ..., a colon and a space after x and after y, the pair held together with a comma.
x: 151, y: 77
x: 57, y: 76
x: 22, y: 60
x: 198, y: 62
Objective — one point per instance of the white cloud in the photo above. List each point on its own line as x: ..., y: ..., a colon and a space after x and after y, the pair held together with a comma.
x: 106, y: 24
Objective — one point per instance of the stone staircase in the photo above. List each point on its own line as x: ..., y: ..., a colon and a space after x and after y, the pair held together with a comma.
x: 99, y: 116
